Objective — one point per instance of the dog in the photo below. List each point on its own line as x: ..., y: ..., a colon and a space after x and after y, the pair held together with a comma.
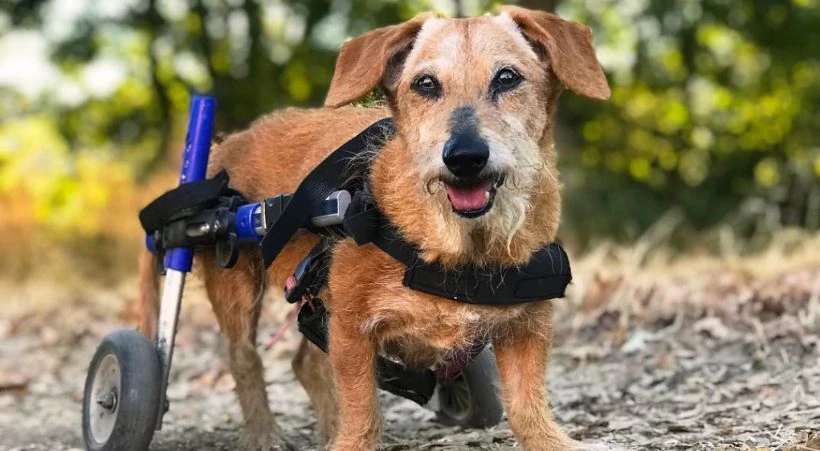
x: 470, y: 177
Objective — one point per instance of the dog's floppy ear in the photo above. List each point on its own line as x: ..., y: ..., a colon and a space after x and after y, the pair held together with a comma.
x: 569, y: 48
x: 363, y: 61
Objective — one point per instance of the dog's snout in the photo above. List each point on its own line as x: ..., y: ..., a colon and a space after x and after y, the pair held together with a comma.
x: 466, y: 155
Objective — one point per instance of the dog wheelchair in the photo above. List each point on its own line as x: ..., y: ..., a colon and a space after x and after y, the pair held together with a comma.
x: 124, y: 398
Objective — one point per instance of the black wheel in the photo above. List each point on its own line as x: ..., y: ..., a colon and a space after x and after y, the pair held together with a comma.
x: 469, y: 399
x: 122, y: 392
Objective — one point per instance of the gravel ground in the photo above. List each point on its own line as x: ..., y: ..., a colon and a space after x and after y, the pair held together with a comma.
x: 687, y: 382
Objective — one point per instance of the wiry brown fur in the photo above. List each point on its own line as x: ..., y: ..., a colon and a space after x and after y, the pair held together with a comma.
x: 370, y: 310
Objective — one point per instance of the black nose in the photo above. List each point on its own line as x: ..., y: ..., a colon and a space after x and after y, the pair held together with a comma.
x: 466, y: 154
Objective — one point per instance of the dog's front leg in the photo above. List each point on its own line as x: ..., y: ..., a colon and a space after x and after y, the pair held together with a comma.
x: 522, y: 356
x: 353, y: 356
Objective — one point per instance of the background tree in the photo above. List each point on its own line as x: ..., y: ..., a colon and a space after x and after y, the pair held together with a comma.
x: 714, y: 112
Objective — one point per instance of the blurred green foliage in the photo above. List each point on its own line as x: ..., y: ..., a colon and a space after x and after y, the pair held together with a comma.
x: 714, y: 109
x: 714, y: 112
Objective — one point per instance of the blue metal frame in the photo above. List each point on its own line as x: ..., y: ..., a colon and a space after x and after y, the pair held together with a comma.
x: 247, y: 222
x: 194, y: 166
x: 249, y: 225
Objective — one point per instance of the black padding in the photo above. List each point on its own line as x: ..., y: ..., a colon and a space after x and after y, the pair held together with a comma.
x: 545, y: 276
x: 416, y: 385
x: 328, y: 176
x: 185, y: 199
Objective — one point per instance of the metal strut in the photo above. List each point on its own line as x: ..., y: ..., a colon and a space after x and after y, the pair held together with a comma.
x: 178, y: 261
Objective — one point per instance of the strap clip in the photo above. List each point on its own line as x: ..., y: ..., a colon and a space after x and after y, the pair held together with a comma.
x: 309, y: 276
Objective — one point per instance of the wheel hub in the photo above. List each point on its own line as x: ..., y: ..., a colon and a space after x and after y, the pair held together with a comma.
x: 108, y: 401
x: 105, y: 392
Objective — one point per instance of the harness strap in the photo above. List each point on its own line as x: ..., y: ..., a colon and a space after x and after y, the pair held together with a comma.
x: 365, y: 223
x: 328, y: 176
x: 184, y: 200
x: 545, y: 276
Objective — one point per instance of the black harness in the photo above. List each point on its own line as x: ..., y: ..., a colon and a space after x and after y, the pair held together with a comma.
x: 545, y: 276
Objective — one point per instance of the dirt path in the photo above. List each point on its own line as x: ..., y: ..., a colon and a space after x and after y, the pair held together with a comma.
x: 690, y: 383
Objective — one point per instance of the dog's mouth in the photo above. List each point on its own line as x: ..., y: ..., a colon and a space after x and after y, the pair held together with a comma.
x: 473, y: 197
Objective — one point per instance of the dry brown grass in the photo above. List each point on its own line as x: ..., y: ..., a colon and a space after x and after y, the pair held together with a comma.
x: 102, y: 247
x: 652, y: 283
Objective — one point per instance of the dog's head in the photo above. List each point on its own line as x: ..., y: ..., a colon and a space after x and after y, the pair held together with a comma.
x: 473, y: 101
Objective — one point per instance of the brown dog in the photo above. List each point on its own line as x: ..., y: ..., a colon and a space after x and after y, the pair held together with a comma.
x: 470, y: 177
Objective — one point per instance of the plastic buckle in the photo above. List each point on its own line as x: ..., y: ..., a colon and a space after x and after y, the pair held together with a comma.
x: 303, y: 276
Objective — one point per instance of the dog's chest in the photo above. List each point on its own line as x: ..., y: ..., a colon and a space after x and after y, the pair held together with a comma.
x: 423, y: 330
x: 366, y: 292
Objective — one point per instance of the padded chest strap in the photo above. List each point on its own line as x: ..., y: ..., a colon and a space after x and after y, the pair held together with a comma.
x: 184, y: 200
x: 545, y: 276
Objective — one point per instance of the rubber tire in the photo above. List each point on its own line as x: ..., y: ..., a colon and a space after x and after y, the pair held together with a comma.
x: 485, y: 408
x: 139, y: 397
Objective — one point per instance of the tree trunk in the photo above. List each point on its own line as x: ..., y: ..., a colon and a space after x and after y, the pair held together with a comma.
x: 154, y: 23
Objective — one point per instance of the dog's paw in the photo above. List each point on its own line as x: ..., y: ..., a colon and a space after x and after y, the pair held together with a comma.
x: 265, y: 441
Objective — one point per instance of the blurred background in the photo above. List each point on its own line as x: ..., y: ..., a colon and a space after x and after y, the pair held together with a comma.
x: 711, y: 133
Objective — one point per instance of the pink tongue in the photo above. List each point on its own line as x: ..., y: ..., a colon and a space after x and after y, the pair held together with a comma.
x: 466, y: 199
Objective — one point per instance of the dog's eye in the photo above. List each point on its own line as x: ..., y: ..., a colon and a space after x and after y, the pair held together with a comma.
x: 505, y: 80
x: 427, y: 86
